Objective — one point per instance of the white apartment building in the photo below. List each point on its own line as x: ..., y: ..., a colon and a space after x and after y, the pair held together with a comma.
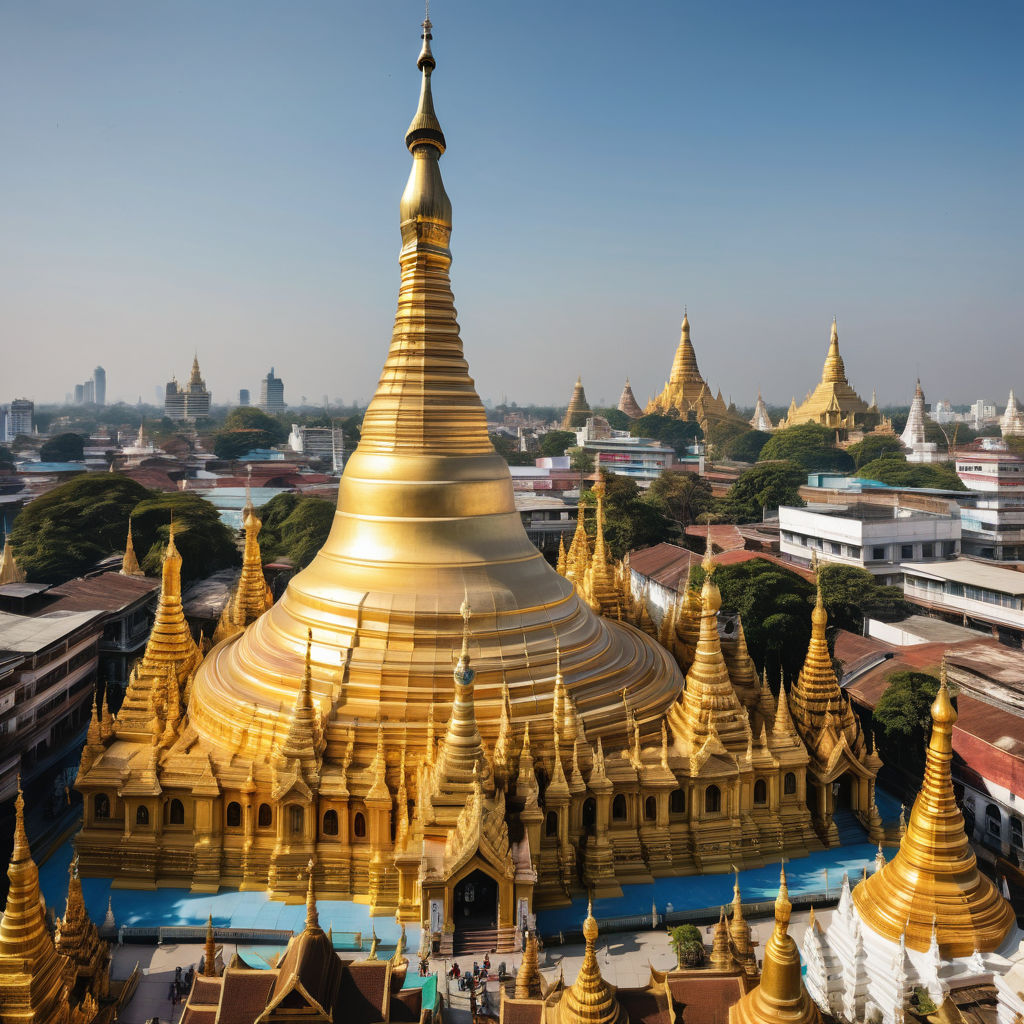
x: 993, y: 524
x: 877, y: 538
x: 319, y: 443
x: 640, y: 458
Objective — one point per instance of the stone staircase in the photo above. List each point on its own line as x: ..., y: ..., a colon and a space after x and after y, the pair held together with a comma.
x: 490, y: 940
x: 850, y: 829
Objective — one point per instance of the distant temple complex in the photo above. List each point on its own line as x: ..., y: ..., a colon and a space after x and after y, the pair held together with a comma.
x: 686, y: 394
x: 833, y: 403
x: 188, y: 402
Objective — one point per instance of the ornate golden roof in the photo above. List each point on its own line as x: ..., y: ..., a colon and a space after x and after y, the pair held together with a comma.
x: 32, y: 972
x: 425, y: 519
x: 781, y: 997
x: 590, y: 999
x: 934, y: 881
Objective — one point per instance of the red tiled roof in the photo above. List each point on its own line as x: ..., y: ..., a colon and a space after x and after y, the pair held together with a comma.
x: 667, y: 564
x: 246, y: 993
x: 725, y: 537
x: 991, y: 741
x: 704, y: 999
x: 737, y: 557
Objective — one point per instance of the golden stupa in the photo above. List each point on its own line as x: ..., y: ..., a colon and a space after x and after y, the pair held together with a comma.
x: 686, y: 393
x: 578, y: 410
x: 932, y: 888
x: 833, y: 403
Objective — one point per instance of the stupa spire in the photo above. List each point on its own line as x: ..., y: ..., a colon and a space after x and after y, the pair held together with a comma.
x: 129, y: 563
x: 9, y: 571
x: 576, y: 413
x: 210, y: 950
x: 528, y: 977
x: 628, y: 403
x: 590, y: 999
x: 933, y: 884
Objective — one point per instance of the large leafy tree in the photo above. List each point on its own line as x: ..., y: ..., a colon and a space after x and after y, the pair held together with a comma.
x: 63, y: 448
x: 897, y: 472
x: 681, y: 497
x: 902, y: 722
x: 205, y: 543
x: 248, y: 417
x: 507, y: 448
x: 746, y: 447
x: 295, y: 527
x: 554, y: 443
x: 811, y: 446
x: 850, y: 594
x: 677, y: 433
x: 66, y: 531
x: 764, y: 486
x: 616, y: 418
x: 775, y: 605
x: 875, y: 446
x: 631, y: 521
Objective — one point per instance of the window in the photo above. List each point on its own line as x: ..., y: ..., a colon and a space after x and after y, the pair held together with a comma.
x: 712, y: 800
x: 330, y: 823
x: 264, y: 816
x: 175, y: 813
x: 233, y: 818
x: 928, y: 550
x: 295, y: 819
x: 101, y: 807
x: 619, y: 808
x: 878, y: 554
x: 906, y: 551
x: 551, y: 824
x: 789, y: 784
x: 760, y: 792
x: 1017, y: 832
x: 994, y: 820
x: 650, y: 809
x: 677, y: 802
x: 359, y: 826
x: 142, y: 815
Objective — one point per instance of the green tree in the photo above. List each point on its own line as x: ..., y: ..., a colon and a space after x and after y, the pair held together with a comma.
x: 616, y: 418
x: 233, y: 444
x: 680, y: 497
x: 897, y: 472
x: 746, y: 447
x: 811, y: 446
x: 63, y: 448
x: 630, y: 520
x: 66, y: 531
x: 248, y: 417
x: 294, y: 527
x: 875, y: 446
x: 775, y: 605
x: 580, y: 460
x: 764, y: 486
x: 677, y: 433
x: 902, y: 723
x: 721, y: 433
x: 508, y: 449
x: 554, y: 443
x: 851, y: 594
x: 205, y: 544
x: 6, y: 458
x: 687, y: 944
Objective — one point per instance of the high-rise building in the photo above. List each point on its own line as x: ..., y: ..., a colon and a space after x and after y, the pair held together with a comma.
x: 79, y: 394
x: 99, y: 377
x: 243, y: 396
x: 272, y: 393
x: 20, y: 421
x: 188, y: 402
x: 89, y: 392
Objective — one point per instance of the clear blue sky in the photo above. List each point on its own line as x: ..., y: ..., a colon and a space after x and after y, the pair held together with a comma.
x: 225, y: 177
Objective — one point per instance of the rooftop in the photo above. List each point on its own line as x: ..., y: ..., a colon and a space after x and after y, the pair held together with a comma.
x: 30, y: 634
x: 865, y: 512
x: 974, y: 573
x: 109, y: 592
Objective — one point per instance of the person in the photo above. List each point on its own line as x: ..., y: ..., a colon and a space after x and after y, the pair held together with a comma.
x: 456, y: 970
x: 487, y: 961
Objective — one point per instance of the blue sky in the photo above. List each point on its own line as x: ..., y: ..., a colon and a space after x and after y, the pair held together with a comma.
x: 225, y: 177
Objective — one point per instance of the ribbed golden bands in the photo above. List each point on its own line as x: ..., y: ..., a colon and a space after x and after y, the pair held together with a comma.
x: 934, y: 876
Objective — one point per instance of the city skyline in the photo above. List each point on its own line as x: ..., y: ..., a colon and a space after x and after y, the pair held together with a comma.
x: 184, y: 180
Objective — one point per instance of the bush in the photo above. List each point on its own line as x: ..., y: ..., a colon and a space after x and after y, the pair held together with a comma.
x: 63, y: 448
x: 295, y: 527
x: 897, y: 472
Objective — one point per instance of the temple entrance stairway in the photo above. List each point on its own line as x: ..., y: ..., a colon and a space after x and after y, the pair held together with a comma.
x: 851, y: 831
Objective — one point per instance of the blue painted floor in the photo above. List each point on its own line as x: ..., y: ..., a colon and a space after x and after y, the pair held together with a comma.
x: 804, y: 875
x: 230, y: 909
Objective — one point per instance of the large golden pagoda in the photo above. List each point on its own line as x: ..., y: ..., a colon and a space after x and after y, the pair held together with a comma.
x: 833, y: 403
x: 686, y: 393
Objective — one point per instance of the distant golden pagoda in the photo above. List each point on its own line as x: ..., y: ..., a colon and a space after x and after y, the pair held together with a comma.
x: 686, y: 393
x: 333, y: 726
x: 833, y: 403
x: 628, y: 403
x: 842, y: 771
x: 578, y: 411
x: 9, y: 571
x: 129, y: 563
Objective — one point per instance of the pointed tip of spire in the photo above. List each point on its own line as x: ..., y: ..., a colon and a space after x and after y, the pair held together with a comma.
x: 590, y: 924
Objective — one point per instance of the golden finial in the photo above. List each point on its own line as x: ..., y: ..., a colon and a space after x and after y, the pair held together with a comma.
x: 590, y: 924
x: 312, y: 918
x: 210, y: 951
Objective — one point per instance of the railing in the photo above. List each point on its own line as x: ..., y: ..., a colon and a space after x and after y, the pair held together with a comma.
x: 197, y: 934
x: 124, y: 997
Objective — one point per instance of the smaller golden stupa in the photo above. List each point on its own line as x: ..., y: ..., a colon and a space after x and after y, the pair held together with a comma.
x: 579, y: 409
x: 628, y: 403
x: 833, y: 403
x: 9, y: 571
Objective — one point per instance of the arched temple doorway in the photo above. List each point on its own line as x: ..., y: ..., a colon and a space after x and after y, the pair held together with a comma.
x: 842, y: 793
x: 475, y: 903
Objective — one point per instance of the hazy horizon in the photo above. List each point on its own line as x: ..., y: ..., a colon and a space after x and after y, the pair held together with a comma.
x: 225, y: 179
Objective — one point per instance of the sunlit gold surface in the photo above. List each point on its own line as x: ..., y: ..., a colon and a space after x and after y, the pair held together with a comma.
x: 9, y: 571
x: 578, y: 409
x: 781, y: 997
x: 590, y: 999
x: 934, y: 879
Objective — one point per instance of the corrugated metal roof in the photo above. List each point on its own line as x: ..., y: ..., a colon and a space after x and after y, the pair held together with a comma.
x: 27, y: 634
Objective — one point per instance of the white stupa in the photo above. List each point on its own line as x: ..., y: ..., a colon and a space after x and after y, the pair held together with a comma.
x: 914, y: 436
x: 1011, y: 423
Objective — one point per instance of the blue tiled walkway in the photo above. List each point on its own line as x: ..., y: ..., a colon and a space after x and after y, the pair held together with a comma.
x: 804, y: 875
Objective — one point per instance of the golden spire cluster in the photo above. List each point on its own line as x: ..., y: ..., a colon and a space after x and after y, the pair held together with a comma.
x: 590, y: 999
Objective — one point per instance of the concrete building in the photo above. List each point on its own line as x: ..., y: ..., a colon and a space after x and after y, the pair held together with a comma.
x: 99, y: 379
x: 47, y: 683
x: 546, y: 519
x: 20, y: 418
x: 272, y: 393
x: 872, y: 537
x: 243, y: 396
x: 79, y: 394
x: 982, y: 413
x: 993, y: 523
x: 319, y: 443
x: 969, y: 591
x: 89, y: 393
x: 640, y: 458
x: 188, y: 402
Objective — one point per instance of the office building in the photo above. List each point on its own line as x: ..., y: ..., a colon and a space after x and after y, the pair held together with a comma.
x: 189, y: 402
x: 99, y: 379
x: 243, y: 396
x: 272, y: 393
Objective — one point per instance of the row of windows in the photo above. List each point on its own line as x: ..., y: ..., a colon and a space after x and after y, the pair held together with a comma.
x: 174, y: 810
